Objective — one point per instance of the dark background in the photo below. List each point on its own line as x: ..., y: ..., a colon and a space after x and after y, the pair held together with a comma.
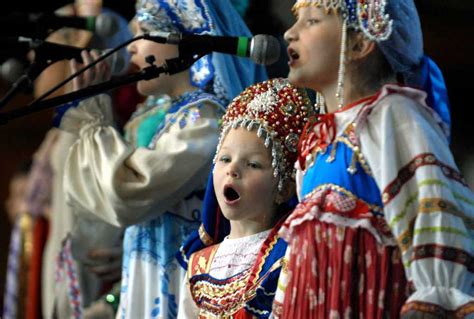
x: 448, y: 35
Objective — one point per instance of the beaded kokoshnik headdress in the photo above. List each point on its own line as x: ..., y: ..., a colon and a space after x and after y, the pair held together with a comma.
x: 278, y: 112
x: 367, y: 16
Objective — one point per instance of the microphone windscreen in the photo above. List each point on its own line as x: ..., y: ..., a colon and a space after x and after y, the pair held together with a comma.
x: 265, y: 49
x: 106, y: 25
x: 118, y: 61
x: 12, y: 69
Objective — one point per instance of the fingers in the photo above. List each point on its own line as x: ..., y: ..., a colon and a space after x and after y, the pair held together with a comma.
x: 102, y: 69
x: 93, y: 75
x: 90, y: 74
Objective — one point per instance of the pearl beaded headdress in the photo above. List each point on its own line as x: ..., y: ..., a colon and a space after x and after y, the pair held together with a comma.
x: 368, y: 16
x: 279, y: 112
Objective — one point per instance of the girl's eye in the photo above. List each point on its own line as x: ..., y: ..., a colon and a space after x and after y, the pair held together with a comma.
x: 224, y: 159
x: 254, y: 165
x: 312, y: 21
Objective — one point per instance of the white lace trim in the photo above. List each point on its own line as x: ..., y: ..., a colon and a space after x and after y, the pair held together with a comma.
x: 314, y: 214
x: 236, y: 255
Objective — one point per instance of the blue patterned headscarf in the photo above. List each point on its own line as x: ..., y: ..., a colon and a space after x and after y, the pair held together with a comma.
x: 227, y: 74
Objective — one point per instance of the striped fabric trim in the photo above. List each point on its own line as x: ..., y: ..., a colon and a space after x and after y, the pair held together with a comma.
x: 452, y: 208
x: 406, y: 239
x: 434, y: 205
x: 408, y: 171
x: 428, y: 206
x: 437, y: 229
x: 443, y: 252
x: 438, y: 311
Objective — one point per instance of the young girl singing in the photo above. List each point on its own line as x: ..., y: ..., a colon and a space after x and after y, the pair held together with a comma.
x: 385, y: 223
x: 253, y: 180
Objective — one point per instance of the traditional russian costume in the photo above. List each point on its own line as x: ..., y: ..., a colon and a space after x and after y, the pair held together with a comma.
x: 244, y: 272
x: 384, y: 226
x: 382, y: 204
x: 237, y: 278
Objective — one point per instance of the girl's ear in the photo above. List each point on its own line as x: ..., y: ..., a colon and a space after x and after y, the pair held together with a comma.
x: 289, y: 188
x: 359, y: 47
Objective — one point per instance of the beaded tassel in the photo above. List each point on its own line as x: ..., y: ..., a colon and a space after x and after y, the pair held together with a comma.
x: 352, y: 169
x: 342, y: 64
x: 332, y: 155
x: 320, y: 105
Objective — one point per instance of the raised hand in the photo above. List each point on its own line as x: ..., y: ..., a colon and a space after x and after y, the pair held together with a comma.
x: 96, y: 74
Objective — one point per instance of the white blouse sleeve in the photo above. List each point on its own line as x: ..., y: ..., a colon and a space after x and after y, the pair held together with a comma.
x: 187, y: 309
x: 427, y: 205
x: 107, y: 176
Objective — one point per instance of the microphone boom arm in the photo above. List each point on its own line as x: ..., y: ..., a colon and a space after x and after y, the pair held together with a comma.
x: 146, y: 74
x: 172, y: 66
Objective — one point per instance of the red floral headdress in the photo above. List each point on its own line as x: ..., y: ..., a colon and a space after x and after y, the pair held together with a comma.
x: 278, y: 111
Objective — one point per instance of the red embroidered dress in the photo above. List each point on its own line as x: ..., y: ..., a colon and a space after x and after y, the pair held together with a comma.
x: 239, y: 286
x: 381, y: 202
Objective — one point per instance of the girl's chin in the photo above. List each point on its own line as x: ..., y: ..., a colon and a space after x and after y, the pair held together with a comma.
x: 147, y: 88
x: 294, y: 77
x: 298, y: 80
x: 231, y: 215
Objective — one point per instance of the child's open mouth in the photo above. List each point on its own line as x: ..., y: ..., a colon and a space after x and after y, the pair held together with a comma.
x: 231, y: 195
x: 292, y: 55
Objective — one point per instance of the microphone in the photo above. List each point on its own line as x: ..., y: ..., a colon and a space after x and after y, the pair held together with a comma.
x: 48, y: 52
x: 12, y: 69
x: 262, y: 48
x: 104, y: 25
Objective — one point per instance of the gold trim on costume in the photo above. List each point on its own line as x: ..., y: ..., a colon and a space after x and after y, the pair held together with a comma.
x: 204, y: 236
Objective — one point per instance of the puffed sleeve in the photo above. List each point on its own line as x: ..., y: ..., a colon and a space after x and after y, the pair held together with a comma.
x: 123, y: 185
x: 427, y: 205
x: 187, y: 308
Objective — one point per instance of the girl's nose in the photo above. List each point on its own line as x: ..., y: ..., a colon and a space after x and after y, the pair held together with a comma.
x: 233, y: 172
x: 131, y: 48
x: 290, y: 34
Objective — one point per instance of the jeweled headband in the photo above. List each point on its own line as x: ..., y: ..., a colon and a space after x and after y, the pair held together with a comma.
x: 368, y: 16
x: 278, y: 111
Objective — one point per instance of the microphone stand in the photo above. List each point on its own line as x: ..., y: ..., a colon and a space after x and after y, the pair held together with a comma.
x: 44, y: 57
x: 171, y: 66
x: 24, y: 82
